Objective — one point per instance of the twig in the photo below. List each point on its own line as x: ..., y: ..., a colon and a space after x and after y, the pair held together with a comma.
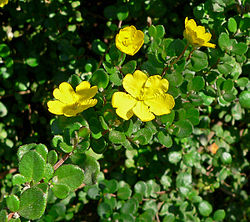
x: 119, y: 24
x: 20, y: 93
x: 3, y: 174
x: 175, y: 61
x: 10, y: 216
x: 61, y: 161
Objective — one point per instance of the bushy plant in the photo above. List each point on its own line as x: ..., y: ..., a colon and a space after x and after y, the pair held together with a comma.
x: 127, y: 110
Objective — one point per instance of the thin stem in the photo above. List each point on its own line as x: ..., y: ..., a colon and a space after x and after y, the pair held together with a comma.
x: 189, y: 56
x: 66, y: 156
x: 61, y: 161
x: 175, y: 61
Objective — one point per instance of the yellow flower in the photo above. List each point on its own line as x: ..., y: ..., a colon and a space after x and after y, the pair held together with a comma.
x: 147, y: 97
x: 196, y: 35
x: 69, y: 102
x: 3, y: 3
x: 129, y: 40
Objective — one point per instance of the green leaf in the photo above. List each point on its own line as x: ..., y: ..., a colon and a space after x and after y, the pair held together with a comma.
x: 239, y: 48
x: 4, y: 50
x: 32, y: 62
x: 205, y: 208
x: 122, y: 13
x: 99, y: 47
x: 52, y: 157
x: 65, y: 147
x: 244, y: 99
x: 61, y: 191
x: 175, y: 79
x: 18, y: 179
x: 124, y: 193
x: 3, y: 110
x: 109, y: 186
x: 242, y: 82
x: 169, y: 218
x: 224, y: 41
x: 3, y: 216
x: 115, y: 79
x: 32, y: 203
x: 183, y: 128
x: 129, y: 207
x: 13, y: 203
x: 48, y: 172
x: 117, y: 137
x: 141, y: 187
x: 24, y: 149
x: 232, y: 25
x: 94, y: 192
x: 69, y: 175
x: 219, y: 215
x: 197, y: 83
x: 225, y: 68
x: 160, y: 31
x: 226, y: 158
x: 100, y: 79
x: 166, y: 181
x: 91, y: 169
x: 143, y: 136
x: 174, y: 157
x: 165, y: 139
x: 98, y: 145
x: 168, y: 118
x: 129, y: 67
x: 227, y: 85
x: 42, y: 150
x: 199, y: 60
x: 32, y: 166
x: 183, y: 179
x: 104, y: 210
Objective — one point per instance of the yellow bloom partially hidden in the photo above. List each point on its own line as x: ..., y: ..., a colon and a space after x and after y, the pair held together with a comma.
x: 69, y: 102
x: 146, y: 97
x: 196, y: 35
x: 3, y: 3
x: 129, y: 40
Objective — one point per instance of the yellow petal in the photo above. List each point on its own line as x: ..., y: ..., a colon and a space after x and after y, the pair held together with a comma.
x: 55, y: 107
x: 85, y: 105
x: 161, y: 104
x: 210, y: 45
x: 84, y: 91
x: 129, y: 40
x: 133, y: 84
x: 65, y: 93
x: 155, y: 85
x: 200, y: 30
x: 124, y: 104
x: 207, y: 36
x: 191, y: 24
x: 141, y: 110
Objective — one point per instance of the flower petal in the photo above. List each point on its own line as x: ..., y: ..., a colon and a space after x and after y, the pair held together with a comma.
x: 84, y: 91
x: 200, y: 30
x: 55, y: 107
x: 160, y: 104
x: 191, y: 24
x: 124, y: 104
x: 141, y: 110
x: 155, y: 85
x: 133, y: 84
x: 65, y: 93
x: 208, y: 44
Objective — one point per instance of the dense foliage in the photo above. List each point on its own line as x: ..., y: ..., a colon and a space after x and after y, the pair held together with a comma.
x: 89, y: 160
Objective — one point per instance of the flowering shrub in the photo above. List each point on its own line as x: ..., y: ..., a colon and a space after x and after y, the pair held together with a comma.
x: 124, y: 110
